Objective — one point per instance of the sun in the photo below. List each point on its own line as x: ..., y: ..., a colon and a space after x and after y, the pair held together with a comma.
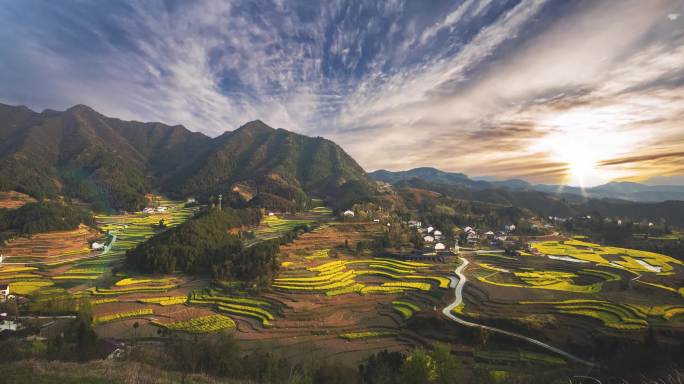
x: 582, y: 139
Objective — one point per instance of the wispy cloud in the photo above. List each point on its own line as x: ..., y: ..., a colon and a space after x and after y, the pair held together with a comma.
x: 484, y: 87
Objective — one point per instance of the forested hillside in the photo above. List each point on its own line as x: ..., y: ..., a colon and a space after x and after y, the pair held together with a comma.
x: 112, y: 164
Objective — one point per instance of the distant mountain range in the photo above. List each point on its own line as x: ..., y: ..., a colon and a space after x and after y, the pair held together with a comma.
x: 113, y: 164
x: 614, y: 190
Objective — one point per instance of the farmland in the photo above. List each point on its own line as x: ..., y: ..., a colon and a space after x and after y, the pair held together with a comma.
x: 581, y: 291
x: 346, y: 302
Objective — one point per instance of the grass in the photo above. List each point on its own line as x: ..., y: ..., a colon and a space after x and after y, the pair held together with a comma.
x: 104, y: 301
x: 165, y: 300
x: 319, y: 254
x: 122, y: 315
x: 274, y: 224
x: 28, y: 287
x: 366, y: 335
x: 155, y: 288
x: 204, y: 324
x: 134, y: 281
x: 405, y: 308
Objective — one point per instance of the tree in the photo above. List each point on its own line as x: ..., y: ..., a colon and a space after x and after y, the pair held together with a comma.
x: 448, y: 368
x: 419, y: 368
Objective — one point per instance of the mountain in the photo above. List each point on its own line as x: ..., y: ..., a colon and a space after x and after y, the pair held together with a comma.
x: 429, y: 174
x: 546, y: 204
x: 613, y: 190
x: 112, y: 163
x: 271, y: 162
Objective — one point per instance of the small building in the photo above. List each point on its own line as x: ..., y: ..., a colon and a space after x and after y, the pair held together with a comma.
x: 428, y: 239
x: 95, y: 246
x: 510, y: 228
x: 4, y: 291
x: 429, y: 229
x: 271, y: 214
x: 468, y: 229
x: 348, y: 213
x: 440, y: 247
x: 191, y: 200
x: 438, y: 233
x: 149, y: 210
x: 162, y: 209
x: 376, y: 220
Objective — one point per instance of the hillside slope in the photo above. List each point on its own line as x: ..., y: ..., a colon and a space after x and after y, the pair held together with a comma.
x: 112, y: 163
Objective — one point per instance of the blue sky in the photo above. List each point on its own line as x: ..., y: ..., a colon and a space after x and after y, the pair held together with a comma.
x: 552, y: 91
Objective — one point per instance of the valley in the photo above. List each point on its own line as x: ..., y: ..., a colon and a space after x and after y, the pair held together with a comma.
x: 268, y: 247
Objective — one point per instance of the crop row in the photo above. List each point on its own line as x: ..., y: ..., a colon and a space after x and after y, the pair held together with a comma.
x: 204, y: 324
x: 122, y: 315
x: 164, y: 300
x: 366, y: 335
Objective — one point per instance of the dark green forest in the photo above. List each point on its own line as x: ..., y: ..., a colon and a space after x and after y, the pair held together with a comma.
x: 44, y: 217
x: 205, y: 245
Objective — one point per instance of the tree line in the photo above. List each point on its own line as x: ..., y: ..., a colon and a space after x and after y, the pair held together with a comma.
x: 205, y: 244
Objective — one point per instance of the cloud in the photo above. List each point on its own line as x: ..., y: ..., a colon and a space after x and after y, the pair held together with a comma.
x: 488, y: 88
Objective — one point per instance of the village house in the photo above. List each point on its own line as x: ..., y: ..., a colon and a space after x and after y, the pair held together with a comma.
x: 437, y: 234
x: 430, y: 229
x: 428, y: 239
x: 4, y: 291
x: 162, y: 209
x: 348, y: 213
x: 473, y: 237
x: 95, y: 246
x: 440, y: 247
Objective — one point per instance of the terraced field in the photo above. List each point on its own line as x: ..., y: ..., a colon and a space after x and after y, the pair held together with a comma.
x: 631, y: 259
x: 563, y: 299
x: 60, y: 265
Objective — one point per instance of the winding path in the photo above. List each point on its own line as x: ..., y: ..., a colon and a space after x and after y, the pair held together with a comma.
x: 458, y: 299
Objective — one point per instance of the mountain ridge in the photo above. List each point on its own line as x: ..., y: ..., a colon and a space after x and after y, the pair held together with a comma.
x: 622, y: 190
x: 113, y: 163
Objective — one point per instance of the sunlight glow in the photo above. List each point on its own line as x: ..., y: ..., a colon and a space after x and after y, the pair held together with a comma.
x: 583, y: 138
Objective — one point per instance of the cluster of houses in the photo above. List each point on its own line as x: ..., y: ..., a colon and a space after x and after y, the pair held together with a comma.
x: 160, y: 209
x: 472, y: 236
x: 431, y: 236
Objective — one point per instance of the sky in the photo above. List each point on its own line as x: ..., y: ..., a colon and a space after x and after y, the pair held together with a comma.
x: 579, y: 92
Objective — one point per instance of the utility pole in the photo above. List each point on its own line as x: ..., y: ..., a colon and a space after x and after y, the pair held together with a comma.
x: 220, y: 198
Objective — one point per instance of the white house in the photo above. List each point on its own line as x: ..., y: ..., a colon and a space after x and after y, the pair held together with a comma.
x: 428, y: 239
x: 96, y: 246
x: 439, y: 247
x: 271, y: 214
x: 376, y: 220
x: 510, y: 228
x: 468, y: 229
x: 430, y: 229
x: 191, y: 200
x: 4, y: 291
x: 148, y: 210
x: 438, y: 233
x: 162, y: 209
x: 348, y: 213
